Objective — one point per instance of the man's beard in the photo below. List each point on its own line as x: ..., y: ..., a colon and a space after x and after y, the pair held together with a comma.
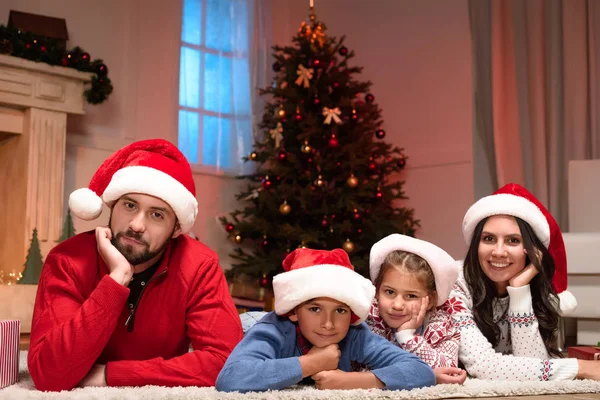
x: 131, y: 255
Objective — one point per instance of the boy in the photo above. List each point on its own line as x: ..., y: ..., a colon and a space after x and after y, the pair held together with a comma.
x: 317, y: 331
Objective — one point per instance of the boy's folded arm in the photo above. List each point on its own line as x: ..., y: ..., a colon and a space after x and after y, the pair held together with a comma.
x: 396, y: 368
x: 257, y: 363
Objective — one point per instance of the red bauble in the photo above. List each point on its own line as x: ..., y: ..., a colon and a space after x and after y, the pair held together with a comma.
x: 266, y: 183
x: 27, y: 45
x: 324, y: 222
x: 372, y: 166
x: 343, y: 50
x: 380, y: 134
x: 356, y: 215
x: 229, y: 227
x: 276, y: 66
x: 332, y: 216
x: 85, y: 57
x: 333, y: 142
x: 298, y: 117
x: 379, y: 195
x: 64, y: 61
x: 359, y: 230
x: 335, y: 85
x: 401, y: 162
x: 101, y: 69
x: 263, y: 281
x: 375, y: 155
x: 43, y: 49
x: 316, y: 101
x: 339, y: 164
x: 282, y: 155
x: 369, y: 98
x: 316, y: 63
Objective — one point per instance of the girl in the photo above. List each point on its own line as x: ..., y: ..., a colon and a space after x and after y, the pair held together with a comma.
x: 505, y: 301
x: 413, y: 279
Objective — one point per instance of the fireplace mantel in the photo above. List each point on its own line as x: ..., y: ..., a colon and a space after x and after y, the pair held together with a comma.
x: 35, y: 99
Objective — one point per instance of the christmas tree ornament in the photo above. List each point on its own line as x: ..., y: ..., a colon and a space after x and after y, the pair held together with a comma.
x: 282, y: 155
x: 343, y: 50
x: 265, y: 242
x: 316, y: 100
x: 253, y: 156
x: 325, y: 222
x: 352, y: 181
x: 372, y: 166
x: 401, y: 162
x: 237, y: 238
x: 263, y: 281
x: 101, y: 69
x: 306, y: 148
x: 369, y: 98
x: 333, y: 142
x: 302, y: 246
x: 304, y: 76
x: 380, y: 133
x: 276, y: 66
x: 281, y: 112
x: 229, y: 227
x: 319, y: 182
x: 348, y: 246
x: 379, y: 194
x: 332, y: 114
x: 354, y: 115
x: 266, y: 182
x: 375, y: 156
x: 285, y: 208
x: 356, y: 215
x: 298, y: 116
x: 277, y: 134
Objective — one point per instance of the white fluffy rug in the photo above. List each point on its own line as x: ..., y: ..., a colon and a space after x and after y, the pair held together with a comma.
x: 24, y: 389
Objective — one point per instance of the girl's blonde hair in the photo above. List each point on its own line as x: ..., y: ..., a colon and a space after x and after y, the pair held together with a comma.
x: 411, y: 263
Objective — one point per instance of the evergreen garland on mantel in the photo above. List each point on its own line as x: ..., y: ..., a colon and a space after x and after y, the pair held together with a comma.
x: 18, y: 43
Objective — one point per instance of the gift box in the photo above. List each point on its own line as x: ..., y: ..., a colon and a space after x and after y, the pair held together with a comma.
x: 584, y: 352
x: 9, y: 352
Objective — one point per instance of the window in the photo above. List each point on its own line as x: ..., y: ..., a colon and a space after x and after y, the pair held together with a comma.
x: 214, y: 83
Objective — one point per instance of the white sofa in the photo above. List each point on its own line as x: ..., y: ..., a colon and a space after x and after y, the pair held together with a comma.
x: 582, y: 242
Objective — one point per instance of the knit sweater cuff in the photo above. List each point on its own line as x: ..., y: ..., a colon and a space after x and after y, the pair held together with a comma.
x: 520, y: 299
x: 110, y: 294
x: 564, y: 369
x: 405, y: 335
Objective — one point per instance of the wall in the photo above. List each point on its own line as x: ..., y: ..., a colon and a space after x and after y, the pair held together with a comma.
x: 416, y: 53
x: 418, y: 56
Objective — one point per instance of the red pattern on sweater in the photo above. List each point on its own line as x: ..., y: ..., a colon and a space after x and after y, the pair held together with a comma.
x: 80, y: 312
x: 437, y: 346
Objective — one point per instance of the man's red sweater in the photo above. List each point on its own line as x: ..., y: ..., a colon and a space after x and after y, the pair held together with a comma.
x: 80, y: 314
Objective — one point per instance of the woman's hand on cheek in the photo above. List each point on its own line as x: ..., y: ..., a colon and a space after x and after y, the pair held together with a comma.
x: 526, y: 275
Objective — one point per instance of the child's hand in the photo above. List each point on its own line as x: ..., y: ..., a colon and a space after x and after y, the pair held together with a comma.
x: 327, y: 358
x: 528, y: 273
x: 417, y: 316
x: 334, y: 379
x: 449, y: 375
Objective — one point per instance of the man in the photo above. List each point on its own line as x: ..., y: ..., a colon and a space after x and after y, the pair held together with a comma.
x: 120, y: 306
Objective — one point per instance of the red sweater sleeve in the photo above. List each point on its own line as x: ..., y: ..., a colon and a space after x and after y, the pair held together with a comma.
x: 214, y: 328
x: 69, y: 332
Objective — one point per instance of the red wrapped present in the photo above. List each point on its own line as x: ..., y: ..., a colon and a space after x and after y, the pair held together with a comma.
x: 9, y: 352
x: 584, y: 352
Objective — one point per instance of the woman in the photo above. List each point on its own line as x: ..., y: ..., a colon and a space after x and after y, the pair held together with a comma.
x: 505, y: 301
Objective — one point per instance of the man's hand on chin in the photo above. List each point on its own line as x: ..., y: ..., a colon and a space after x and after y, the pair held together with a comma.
x: 96, y: 377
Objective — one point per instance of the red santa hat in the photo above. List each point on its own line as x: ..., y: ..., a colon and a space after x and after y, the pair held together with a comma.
x: 154, y: 167
x: 321, y: 273
x: 444, y: 267
x: 515, y: 200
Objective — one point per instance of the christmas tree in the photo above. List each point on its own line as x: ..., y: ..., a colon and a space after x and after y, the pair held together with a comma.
x: 33, y: 263
x: 324, y: 177
x: 68, y: 228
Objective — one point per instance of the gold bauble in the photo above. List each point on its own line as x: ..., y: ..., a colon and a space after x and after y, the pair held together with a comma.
x: 285, y: 208
x: 319, y: 182
x: 352, y: 181
x: 281, y: 113
x: 238, y: 238
x: 348, y: 246
x: 253, y: 156
x: 306, y: 148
